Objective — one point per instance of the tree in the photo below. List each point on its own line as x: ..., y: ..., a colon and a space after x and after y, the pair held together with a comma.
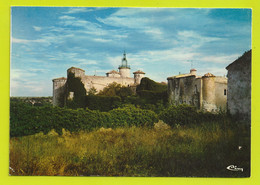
x: 92, y: 91
x: 115, y: 89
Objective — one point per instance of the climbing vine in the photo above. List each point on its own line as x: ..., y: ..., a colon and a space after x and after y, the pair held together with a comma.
x: 75, y: 85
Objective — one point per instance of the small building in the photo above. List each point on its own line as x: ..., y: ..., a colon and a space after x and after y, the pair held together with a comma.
x: 121, y: 77
x: 239, y: 87
x: 208, y: 92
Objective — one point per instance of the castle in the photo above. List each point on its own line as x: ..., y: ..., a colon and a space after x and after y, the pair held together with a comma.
x: 98, y: 82
x: 206, y: 92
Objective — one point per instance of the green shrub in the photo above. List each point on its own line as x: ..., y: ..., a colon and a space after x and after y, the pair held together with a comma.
x: 102, y: 103
x: 115, y: 89
x: 152, y: 92
x: 181, y: 114
x: 132, y: 116
x: 28, y: 120
x: 153, y: 97
x: 150, y: 85
x: 186, y: 114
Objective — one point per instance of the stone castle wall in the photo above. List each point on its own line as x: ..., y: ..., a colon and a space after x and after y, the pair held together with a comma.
x: 59, y: 88
x: 221, y: 92
x: 205, y: 92
x: 239, y: 87
x: 185, y: 90
x: 99, y: 82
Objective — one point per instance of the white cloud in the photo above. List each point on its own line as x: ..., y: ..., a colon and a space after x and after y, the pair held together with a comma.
x: 224, y: 59
x: 82, y: 61
x: 23, y: 82
x: 102, y: 40
x: 217, y: 71
x: 19, y: 74
x: 188, y: 35
x: 25, y: 41
x: 129, y: 22
x: 37, y: 28
x: 157, y: 33
x: 139, y: 18
x: 15, y: 40
x: 74, y: 10
x: 78, y: 10
x: 66, y: 17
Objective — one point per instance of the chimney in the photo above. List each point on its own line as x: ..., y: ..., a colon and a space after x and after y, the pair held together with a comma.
x: 193, y: 72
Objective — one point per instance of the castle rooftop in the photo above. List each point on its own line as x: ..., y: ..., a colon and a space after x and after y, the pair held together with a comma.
x: 113, y: 72
x: 139, y: 72
x: 209, y: 75
x: 61, y: 78
x: 181, y: 76
x: 76, y: 69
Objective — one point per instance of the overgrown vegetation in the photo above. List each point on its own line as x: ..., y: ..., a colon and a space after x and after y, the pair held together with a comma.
x: 102, y: 103
x: 149, y: 95
x: 75, y: 85
x: 117, y: 133
x: 152, y: 92
x: 203, y: 151
x: 188, y: 115
x: 28, y: 120
x: 149, y: 85
x: 115, y: 89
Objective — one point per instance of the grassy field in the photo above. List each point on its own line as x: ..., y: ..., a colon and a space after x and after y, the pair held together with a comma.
x: 202, y: 150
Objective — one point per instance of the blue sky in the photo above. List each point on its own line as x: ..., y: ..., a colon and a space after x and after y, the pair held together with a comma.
x: 162, y: 42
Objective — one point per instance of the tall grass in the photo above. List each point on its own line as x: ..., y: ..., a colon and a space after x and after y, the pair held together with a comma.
x: 204, y: 150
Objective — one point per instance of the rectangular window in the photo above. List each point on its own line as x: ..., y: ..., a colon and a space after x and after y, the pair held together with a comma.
x: 225, y: 91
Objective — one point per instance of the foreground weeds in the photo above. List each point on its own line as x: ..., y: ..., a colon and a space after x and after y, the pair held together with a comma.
x: 204, y: 150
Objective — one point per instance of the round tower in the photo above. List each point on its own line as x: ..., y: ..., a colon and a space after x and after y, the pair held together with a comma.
x: 58, y: 91
x: 138, y: 75
x: 208, y: 90
x: 124, y: 69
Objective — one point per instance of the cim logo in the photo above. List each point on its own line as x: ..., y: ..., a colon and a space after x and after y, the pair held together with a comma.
x: 234, y: 168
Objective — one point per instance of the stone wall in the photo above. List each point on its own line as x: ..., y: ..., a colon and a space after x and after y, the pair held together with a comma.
x: 239, y: 87
x: 221, y: 93
x: 184, y: 90
x: 99, y: 82
x: 59, y: 89
x: 206, y: 93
